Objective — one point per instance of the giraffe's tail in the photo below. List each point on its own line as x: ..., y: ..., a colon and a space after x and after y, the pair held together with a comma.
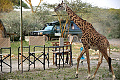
x: 109, y: 59
x: 109, y: 63
x: 109, y: 50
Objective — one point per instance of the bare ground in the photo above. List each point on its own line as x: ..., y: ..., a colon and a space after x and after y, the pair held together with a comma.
x: 115, y: 56
x: 114, y: 42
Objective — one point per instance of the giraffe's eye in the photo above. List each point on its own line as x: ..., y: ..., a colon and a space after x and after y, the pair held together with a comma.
x: 61, y: 6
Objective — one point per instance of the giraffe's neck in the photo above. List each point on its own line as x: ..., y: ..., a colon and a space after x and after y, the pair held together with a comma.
x: 82, y: 24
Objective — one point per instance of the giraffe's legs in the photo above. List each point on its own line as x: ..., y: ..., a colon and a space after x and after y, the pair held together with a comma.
x: 107, y: 59
x: 78, y: 60
x: 88, y: 58
x: 99, y: 63
x: 88, y: 62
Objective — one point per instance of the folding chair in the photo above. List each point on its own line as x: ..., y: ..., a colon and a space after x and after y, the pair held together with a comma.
x: 37, y: 41
x: 5, y: 45
x: 25, y: 51
x: 61, y: 52
x: 71, y: 40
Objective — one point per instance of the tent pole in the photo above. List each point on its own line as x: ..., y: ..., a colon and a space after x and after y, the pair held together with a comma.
x: 21, y: 35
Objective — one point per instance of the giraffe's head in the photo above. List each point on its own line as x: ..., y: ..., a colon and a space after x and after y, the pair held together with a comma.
x: 61, y: 6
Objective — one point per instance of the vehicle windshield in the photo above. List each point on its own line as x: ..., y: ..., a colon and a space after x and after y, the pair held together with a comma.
x: 48, y: 28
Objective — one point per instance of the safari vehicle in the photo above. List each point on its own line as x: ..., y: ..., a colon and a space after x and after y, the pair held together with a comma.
x: 52, y: 30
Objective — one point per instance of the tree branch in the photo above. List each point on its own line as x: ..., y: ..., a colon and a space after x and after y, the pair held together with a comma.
x: 29, y: 2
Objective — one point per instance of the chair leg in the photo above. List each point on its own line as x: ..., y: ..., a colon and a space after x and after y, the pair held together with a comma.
x: 1, y: 59
x: 10, y: 61
x: 34, y: 61
x: 1, y: 63
x: 48, y: 59
x: 29, y: 62
x: 53, y: 59
x: 18, y: 60
x: 44, y: 57
x: 63, y: 59
x: 70, y: 60
x: 56, y: 59
x: 59, y: 60
x: 67, y: 59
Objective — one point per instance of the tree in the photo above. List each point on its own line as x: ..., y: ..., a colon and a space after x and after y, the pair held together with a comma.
x: 17, y: 3
x: 115, y: 28
x: 30, y: 3
x: 6, y: 5
x: 76, y: 7
x: 63, y: 16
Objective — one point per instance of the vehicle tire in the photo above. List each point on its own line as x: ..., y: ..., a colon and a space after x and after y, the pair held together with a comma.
x: 46, y: 38
x: 75, y: 38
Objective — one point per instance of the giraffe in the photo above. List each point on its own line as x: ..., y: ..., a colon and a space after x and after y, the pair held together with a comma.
x: 90, y: 39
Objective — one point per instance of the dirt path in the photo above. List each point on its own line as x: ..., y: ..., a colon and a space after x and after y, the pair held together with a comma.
x: 114, y: 42
x: 114, y: 55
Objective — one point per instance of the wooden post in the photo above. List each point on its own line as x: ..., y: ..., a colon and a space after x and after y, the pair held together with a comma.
x: 21, y: 35
x: 61, y: 41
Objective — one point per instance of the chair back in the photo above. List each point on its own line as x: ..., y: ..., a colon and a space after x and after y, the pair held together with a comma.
x: 4, y: 42
x: 37, y: 40
x: 61, y: 41
x: 66, y: 43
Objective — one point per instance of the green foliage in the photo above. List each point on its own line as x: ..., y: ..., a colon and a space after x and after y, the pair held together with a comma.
x: 79, y: 7
x: 17, y: 3
x: 105, y: 21
x: 7, y: 5
x: 31, y: 21
x: 115, y: 33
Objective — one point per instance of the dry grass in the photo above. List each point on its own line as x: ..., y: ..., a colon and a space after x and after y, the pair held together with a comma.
x: 67, y: 73
x: 61, y: 74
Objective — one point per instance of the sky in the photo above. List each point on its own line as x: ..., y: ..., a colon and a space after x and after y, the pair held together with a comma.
x: 100, y: 3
